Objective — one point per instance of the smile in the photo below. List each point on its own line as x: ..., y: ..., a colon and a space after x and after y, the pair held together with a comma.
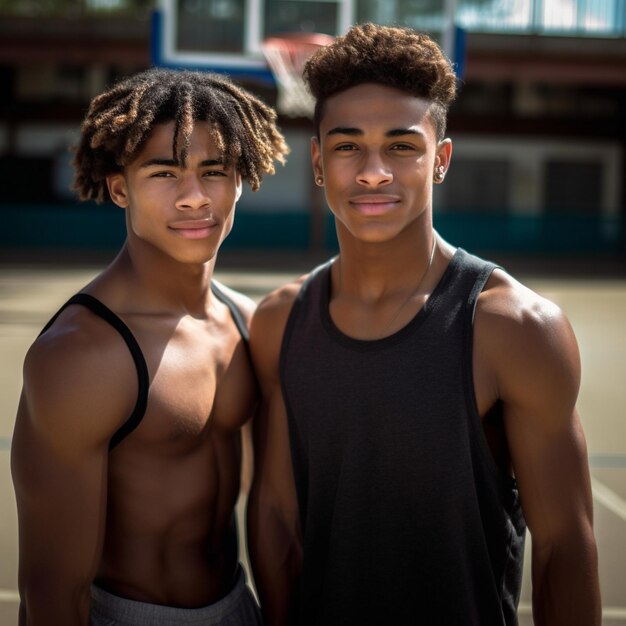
x: 374, y: 204
x: 194, y: 229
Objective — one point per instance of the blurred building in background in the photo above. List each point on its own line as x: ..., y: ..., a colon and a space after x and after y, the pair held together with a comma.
x: 538, y: 131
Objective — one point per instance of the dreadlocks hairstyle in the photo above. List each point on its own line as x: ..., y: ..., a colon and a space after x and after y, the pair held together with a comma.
x: 392, y: 56
x: 120, y: 120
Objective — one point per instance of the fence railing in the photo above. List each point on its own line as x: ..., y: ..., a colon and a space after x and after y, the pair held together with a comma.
x: 596, y: 18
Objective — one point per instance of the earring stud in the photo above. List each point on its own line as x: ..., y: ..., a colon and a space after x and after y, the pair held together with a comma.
x: 319, y: 181
x: 439, y: 174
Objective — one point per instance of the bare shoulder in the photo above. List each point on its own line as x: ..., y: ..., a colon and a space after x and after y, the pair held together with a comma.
x: 508, y: 306
x: 527, y: 341
x: 274, y: 309
x: 268, y: 326
x: 79, y: 379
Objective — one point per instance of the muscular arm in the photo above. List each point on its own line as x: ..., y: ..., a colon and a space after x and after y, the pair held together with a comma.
x: 535, y: 358
x: 274, y: 534
x: 66, y: 416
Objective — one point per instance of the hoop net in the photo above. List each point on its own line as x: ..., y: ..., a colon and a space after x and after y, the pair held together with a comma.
x: 286, y: 56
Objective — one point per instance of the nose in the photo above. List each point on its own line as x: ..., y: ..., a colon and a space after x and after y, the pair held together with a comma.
x: 192, y: 194
x: 374, y: 171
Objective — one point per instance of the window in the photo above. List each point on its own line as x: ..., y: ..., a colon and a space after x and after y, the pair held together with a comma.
x: 573, y: 186
x: 475, y: 185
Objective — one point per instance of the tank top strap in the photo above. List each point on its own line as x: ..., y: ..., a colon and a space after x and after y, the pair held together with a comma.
x: 475, y: 272
x: 317, y: 279
x: 462, y: 281
x: 235, y: 311
x: 143, y: 378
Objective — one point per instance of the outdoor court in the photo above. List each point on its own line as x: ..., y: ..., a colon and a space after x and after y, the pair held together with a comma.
x: 30, y: 294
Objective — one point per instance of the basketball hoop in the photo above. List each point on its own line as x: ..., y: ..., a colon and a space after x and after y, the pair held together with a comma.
x: 286, y: 56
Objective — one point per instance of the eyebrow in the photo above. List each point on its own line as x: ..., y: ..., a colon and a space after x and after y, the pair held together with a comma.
x: 176, y: 163
x: 357, y: 132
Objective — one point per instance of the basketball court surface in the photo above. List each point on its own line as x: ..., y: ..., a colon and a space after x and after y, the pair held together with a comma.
x: 30, y: 294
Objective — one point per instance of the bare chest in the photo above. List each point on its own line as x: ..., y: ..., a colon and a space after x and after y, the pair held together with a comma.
x: 200, y: 381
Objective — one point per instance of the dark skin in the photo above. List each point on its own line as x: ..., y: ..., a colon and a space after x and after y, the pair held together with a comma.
x: 378, y: 163
x: 153, y: 520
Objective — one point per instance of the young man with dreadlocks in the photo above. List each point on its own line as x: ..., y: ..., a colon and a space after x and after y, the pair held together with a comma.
x: 411, y: 389
x: 127, y: 449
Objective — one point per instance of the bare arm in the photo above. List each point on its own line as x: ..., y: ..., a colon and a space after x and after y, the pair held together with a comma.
x: 537, y: 374
x: 274, y: 533
x: 66, y: 416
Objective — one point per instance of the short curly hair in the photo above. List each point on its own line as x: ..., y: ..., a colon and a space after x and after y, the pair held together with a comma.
x: 388, y: 55
x: 120, y: 120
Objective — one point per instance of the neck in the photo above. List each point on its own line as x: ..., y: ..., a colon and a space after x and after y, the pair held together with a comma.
x: 161, y: 282
x: 371, y: 272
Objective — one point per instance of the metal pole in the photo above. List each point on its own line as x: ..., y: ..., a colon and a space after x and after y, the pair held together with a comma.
x: 448, y: 34
x: 535, y: 16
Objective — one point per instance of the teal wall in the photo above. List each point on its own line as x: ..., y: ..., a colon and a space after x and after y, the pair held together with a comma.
x: 91, y: 226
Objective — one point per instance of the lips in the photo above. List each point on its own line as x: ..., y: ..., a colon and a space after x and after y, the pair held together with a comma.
x: 194, y: 229
x: 374, y: 204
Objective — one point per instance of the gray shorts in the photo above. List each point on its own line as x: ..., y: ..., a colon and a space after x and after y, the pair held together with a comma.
x: 238, y: 608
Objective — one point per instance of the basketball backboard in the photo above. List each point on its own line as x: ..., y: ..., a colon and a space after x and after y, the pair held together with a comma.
x: 228, y: 35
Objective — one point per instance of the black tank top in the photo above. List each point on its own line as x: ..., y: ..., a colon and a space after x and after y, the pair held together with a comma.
x: 143, y: 379
x: 406, y: 518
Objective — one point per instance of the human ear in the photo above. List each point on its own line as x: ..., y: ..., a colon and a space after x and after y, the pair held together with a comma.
x: 316, y: 159
x: 443, y: 155
x: 239, y: 187
x: 116, y: 184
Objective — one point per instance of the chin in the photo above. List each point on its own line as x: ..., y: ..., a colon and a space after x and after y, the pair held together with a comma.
x: 373, y: 233
x: 196, y: 257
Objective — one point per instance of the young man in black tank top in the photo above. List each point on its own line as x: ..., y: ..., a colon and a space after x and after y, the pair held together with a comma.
x: 411, y: 389
x: 127, y: 451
